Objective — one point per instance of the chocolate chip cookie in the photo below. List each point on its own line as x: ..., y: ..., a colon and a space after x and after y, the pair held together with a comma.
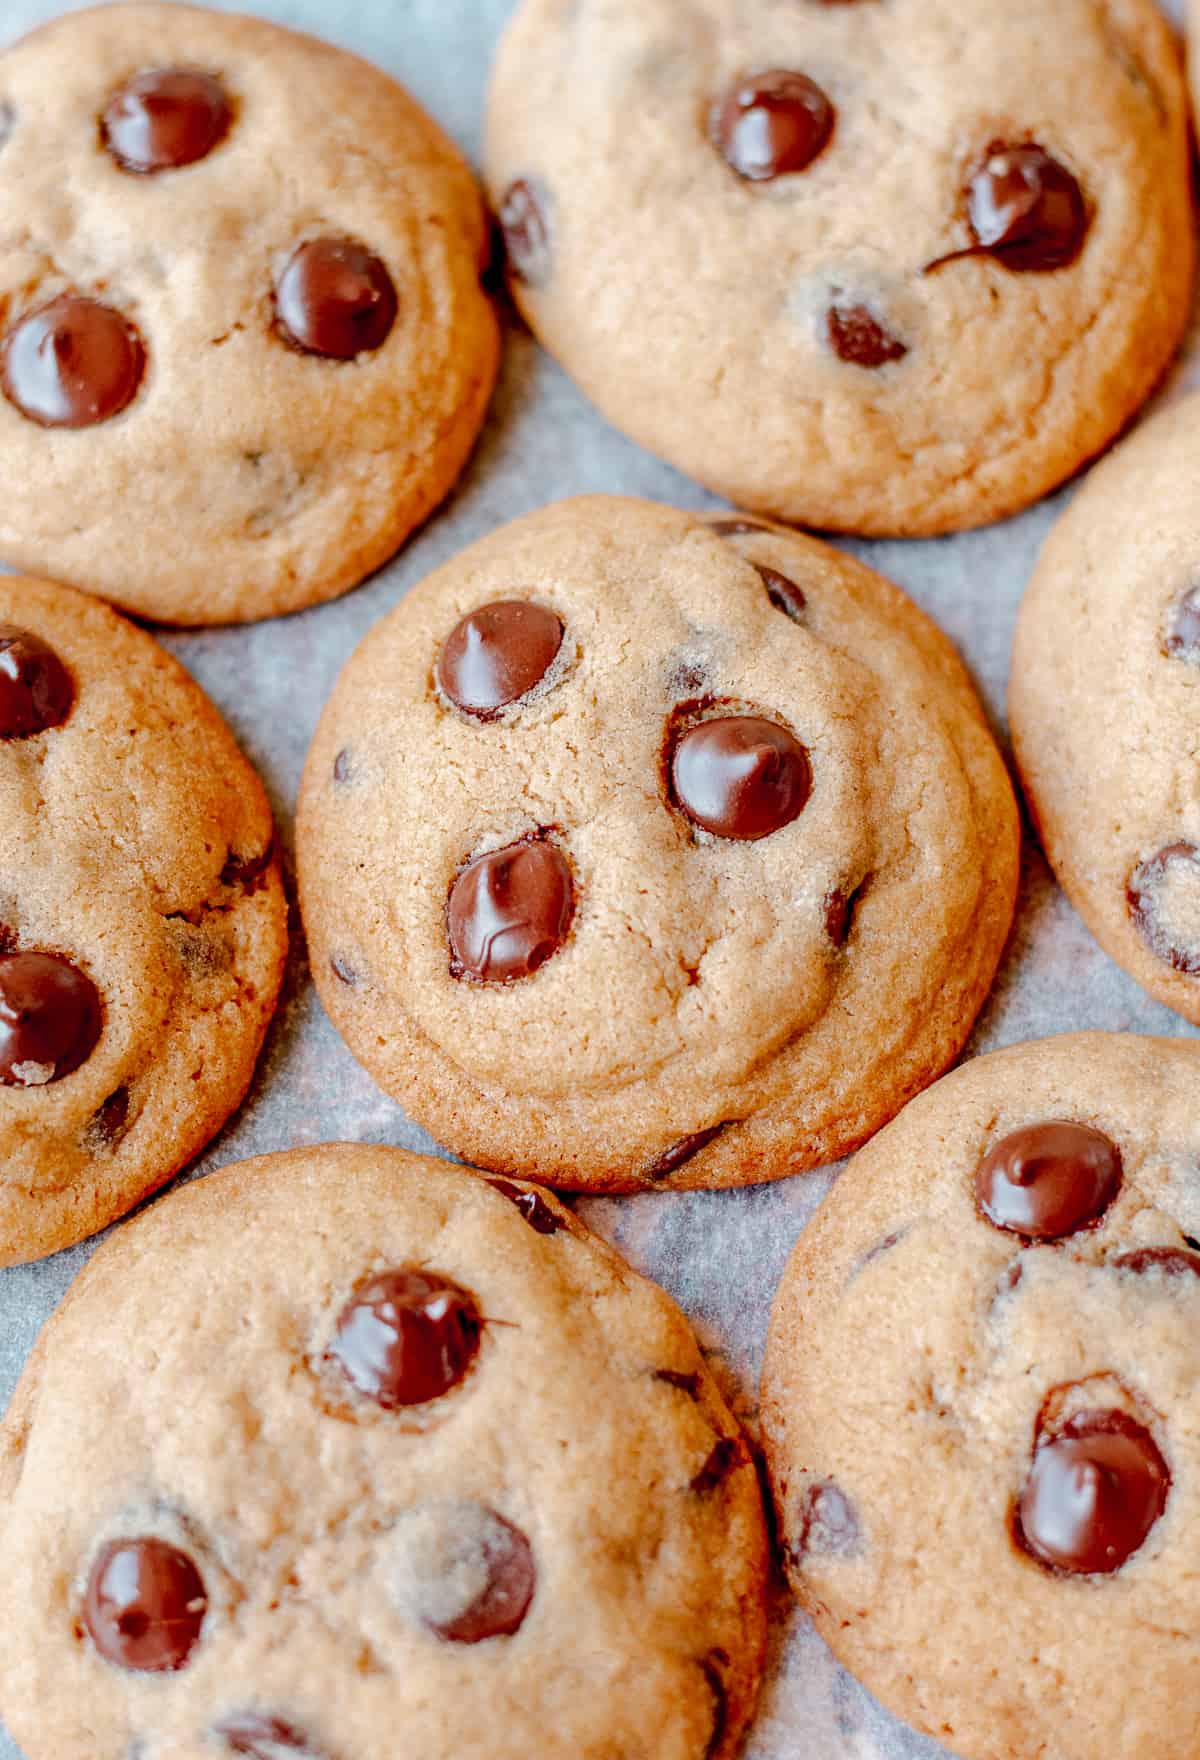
x: 868, y: 267
x: 1102, y: 699
x: 344, y: 1443
x: 638, y: 848
x: 143, y: 925
x: 244, y: 349
x: 982, y: 1407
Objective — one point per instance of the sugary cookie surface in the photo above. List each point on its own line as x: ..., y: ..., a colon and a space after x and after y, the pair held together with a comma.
x: 344, y: 1447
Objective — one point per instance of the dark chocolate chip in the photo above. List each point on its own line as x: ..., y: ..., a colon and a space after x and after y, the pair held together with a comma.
x: 165, y: 118
x: 1163, y: 897
x: 343, y: 767
x: 1046, y: 1181
x: 1093, y: 1494
x: 726, y: 1456
x: 672, y: 1159
x: 265, y: 1738
x: 784, y: 594
x: 716, y: 1685
x: 532, y: 1205
x: 500, y: 1607
x: 50, y: 1018
x: 497, y: 655
x: 509, y: 911
x: 343, y: 971
x: 462, y: 1571
x: 248, y: 872
x: 740, y: 776
x: 857, y: 337
x: 336, y: 299
x: 36, y: 690
x: 686, y: 1382
x: 1181, y: 639
x: 1167, y: 1261
x: 109, y: 1124
x: 72, y: 363
x: 145, y: 1605
x: 839, y: 913
x: 524, y: 217
x: 773, y: 123
x: 736, y: 528
x: 827, y: 1526
x: 1024, y: 209
x: 406, y: 1337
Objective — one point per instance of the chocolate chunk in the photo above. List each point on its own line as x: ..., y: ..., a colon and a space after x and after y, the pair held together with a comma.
x: 497, y: 655
x: 772, y: 123
x: 1168, y: 1261
x: 726, y: 1456
x: 736, y: 528
x: 165, y: 118
x: 715, y: 1680
x: 740, y: 776
x: 686, y: 1382
x: 509, y: 911
x: 336, y: 299
x: 1163, y: 898
x: 72, y: 364
x: 826, y: 1526
x: 784, y: 594
x: 1182, y: 638
x: 145, y: 1605
x: 672, y: 1159
x: 524, y: 217
x: 1024, y: 209
x: 462, y: 1571
x: 857, y: 337
x: 406, y: 1337
x: 109, y: 1124
x: 1093, y: 1494
x: 50, y: 1018
x: 532, y: 1205
x: 36, y: 690
x: 265, y: 1738
x: 1049, y: 1180
x: 343, y: 971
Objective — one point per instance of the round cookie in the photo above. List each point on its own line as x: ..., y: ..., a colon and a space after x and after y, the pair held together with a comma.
x: 982, y: 1406
x: 143, y: 924
x: 638, y: 849
x: 244, y: 349
x: 402, y: 1450
x: 1102, y: 700
x: 869, y: 267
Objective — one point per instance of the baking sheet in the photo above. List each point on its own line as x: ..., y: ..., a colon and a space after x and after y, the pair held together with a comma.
x: 719, y: 1254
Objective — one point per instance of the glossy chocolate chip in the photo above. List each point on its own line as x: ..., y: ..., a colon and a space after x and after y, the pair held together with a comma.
x: 1024, y: 209
x: 726, y: 1456
x: 462, y: 1571
x: 72, y: 364
x: 773, y: 123
x: 509, y: 911
x: 857, y: 337
x: 497, y: 655
x: 532, y: 1205
x: 1093, y: 1494
x: 266, y: 1738
x: 50, y: 1018
x: 1163, y: 897
x: 36, y: 690
x: 672, y: 1159
x: 1181, y: 638
x: 336, y: 299
x: 144, y: 1606
x: 740, y: 776
x: 715, y: 1680
x: 165, y: 118
x: 406, y: 1337
x: 524, y: 216
x: 826, y: 1526
x: 1167, y: 1261
x: 783, y: 593
x: 1049, y: 1180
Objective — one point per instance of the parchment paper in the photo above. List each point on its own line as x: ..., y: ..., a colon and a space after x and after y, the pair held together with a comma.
x: 719, y: 1254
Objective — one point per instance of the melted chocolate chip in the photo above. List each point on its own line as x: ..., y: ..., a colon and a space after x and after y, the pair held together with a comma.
x: 740, y: 776
x: 784, y: 594
x: 736, y: 528
x: 727, y: 1455
x: 509, y: 911
x: 1024, y: 209
x: 497, y: 655
x: 716, y: 1686
x: 72, y: 364
x: 1049, y: 1180
x: 1163, y: 897
x: 524, y: 218
x: 265, y: 1738
x: 108, y: 1125
x: 672, y: 1159
x: 343, y: 971
x: 773, y: 123
x: 1182, y: 638
x: 1168, y: 1261
x: 50, y: 1018
x: 826, y: 1526
x: 406, y: 1337
x: 857, y: 337
x: 165, y: 118
x: 145, y: 1605
x: 686, y: 1382
x: 532, y: 1205
x: 462, y: 1571
x: 1093, y: 1494
x: 336, y: 299
x: 36, y: 690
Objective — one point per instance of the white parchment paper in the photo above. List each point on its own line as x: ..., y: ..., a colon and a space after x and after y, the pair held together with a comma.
x: 719, y: 1254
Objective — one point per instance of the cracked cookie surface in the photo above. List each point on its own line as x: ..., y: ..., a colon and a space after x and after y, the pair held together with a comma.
x: 869, y: 267
x: 240, y: 312
x: 981, y: 1403
x: 513, y: 1519
x: 143, y: 924
x: 640, y: 848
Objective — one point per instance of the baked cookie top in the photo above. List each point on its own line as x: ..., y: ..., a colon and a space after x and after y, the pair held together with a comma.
x: 868, y: 267
x: 143, y: 925
x: 982, y: 1405
x: 243, y: 345
x: 344, y: 1442
x: 637, y: 847
x: 1103, y: 697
